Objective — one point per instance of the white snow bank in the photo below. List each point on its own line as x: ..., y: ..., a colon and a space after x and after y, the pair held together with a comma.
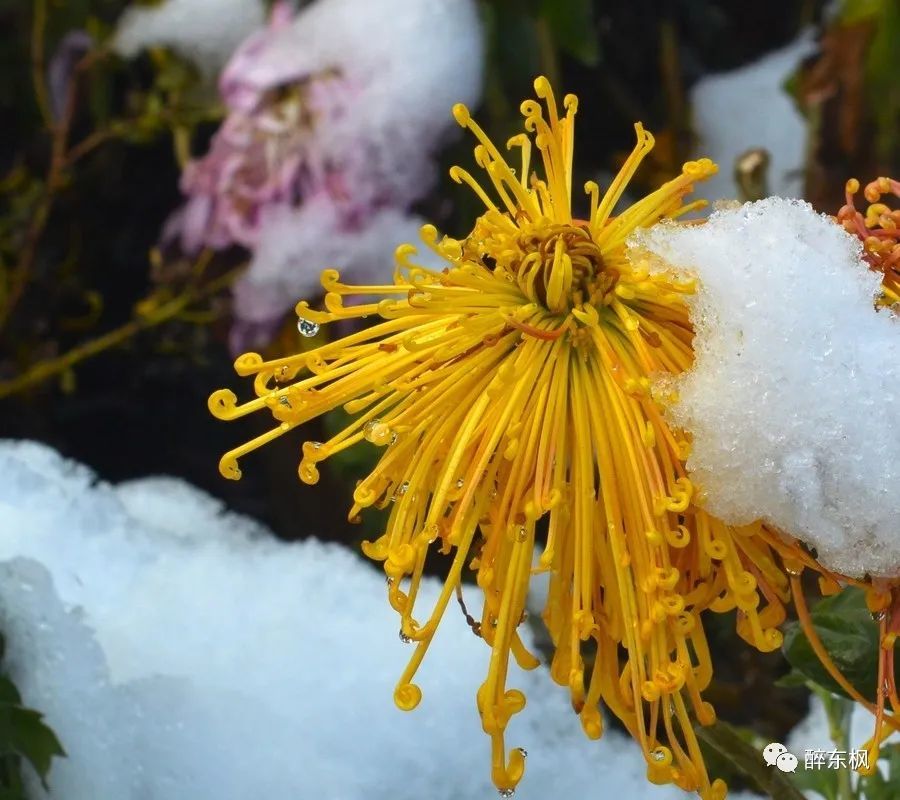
x: 748, y: 107
x: 793, y: 398
x: 203, y: 31
x: 182, y: 653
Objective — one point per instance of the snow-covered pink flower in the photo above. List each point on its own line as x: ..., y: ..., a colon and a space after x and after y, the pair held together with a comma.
x: 334, y: 118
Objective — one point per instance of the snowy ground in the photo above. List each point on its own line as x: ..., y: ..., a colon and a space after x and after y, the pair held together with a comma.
x: 181, y: 652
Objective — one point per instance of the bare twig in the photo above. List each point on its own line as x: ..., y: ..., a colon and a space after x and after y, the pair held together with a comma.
x: 159, y: 314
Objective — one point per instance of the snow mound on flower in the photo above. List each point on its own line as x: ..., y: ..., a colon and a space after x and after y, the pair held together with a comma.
x: 793, y: 398
x: 182, y: 652
x: 749, y: 107
x: 203, y: 31
x: 412, y: 59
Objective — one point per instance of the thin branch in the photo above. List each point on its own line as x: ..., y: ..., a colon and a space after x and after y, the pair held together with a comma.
x: 165, y: 312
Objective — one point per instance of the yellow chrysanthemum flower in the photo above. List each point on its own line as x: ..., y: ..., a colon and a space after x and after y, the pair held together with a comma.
x: 513, y: 392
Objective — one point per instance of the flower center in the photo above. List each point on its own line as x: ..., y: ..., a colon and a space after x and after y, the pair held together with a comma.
x: 558, y: 266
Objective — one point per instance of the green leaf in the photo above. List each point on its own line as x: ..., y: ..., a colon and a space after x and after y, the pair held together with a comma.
x: 24, y: 733
x: 35, y: 741
x: 850, y: 636
x: 572, y: 24
x: 9, y: 694
x: 793, y: 679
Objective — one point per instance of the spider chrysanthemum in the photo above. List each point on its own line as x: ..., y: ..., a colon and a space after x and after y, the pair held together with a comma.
x: 514, y: 394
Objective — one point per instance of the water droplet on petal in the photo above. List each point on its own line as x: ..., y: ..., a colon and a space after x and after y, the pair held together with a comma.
x: 506, y: 792
x: 432, y: 530
x: 307, y: 327
x: 523, y: 751
x: 379, y: 433
x: 658, y: 754
x: 404, y: 638
x: 460, y: 483
x: 283, y: 400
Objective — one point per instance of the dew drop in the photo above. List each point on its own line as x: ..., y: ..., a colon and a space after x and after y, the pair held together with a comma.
x: 460, y: 483
x: 283, y: 400
x: 404, y: 638
x: 658, y: 755
x: 523, y: 751
x: 521, y: 534
x: 506, y: 792
x: 307, y: 327
x: 379, y: 433
x: 432, y: 530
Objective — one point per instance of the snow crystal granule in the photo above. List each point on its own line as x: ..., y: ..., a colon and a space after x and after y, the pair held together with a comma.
x: 792, y: 400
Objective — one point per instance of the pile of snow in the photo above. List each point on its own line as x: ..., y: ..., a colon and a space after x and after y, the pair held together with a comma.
x: 793, y: 398
x: 181, y: 652
x: 748, y: 108
x: 203, y: 31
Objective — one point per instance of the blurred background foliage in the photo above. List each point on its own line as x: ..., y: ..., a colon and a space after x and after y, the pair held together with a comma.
x: 109, y: 347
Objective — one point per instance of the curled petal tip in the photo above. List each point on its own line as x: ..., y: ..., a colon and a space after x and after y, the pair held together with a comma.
x: 228, y: 467
x: 222, y: 404
x: 407, y: 696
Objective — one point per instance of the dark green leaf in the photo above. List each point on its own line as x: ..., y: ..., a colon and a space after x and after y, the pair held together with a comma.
x: 34, y: 740
x: 9, y: 694
x: 792, y: 680
x: 850, y: 636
